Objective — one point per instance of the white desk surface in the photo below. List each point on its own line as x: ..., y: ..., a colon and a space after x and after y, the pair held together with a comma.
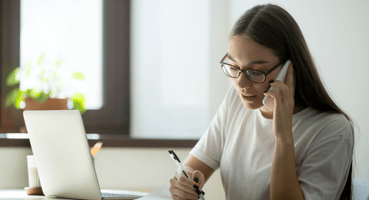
x: 20, y: 194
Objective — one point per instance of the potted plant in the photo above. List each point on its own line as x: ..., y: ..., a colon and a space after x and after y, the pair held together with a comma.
x: 47, y: 86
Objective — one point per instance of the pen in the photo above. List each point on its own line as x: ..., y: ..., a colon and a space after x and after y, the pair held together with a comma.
x: 96, y: 148
x: 178, y: 162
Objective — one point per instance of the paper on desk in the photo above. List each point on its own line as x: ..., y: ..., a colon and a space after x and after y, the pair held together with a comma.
x: 162, y: 193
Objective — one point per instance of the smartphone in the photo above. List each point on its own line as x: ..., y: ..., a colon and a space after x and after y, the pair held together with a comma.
x: 268, y: 101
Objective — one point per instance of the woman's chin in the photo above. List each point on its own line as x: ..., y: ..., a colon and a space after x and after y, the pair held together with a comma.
x: 252, y: 105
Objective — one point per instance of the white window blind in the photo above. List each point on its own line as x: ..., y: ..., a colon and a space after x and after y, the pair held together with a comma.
x: 172, y: 68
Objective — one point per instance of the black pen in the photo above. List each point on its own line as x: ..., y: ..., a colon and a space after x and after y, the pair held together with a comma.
x: 178, y: 162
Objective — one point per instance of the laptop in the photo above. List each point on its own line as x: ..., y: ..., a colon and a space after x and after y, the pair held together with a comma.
x: 62, y: 154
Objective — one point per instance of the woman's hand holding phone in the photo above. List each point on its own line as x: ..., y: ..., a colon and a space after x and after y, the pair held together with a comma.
x: 284, y: 103
x: 269, y: 101
x: 182, y: 187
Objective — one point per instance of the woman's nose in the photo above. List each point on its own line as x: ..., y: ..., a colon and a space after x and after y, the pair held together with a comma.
x: 243, y: 82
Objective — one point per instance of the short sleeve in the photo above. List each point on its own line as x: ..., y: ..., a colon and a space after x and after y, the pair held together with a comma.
x: 210, y: 146
x: 325, y: 167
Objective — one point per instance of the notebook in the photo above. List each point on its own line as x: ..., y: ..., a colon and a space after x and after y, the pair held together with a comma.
x: 63, y: 159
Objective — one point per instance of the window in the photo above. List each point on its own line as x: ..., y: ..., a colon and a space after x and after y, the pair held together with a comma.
x: 69, y: 31
x: 113, y: 116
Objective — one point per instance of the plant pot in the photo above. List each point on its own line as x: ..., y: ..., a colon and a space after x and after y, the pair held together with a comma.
x: 49, y: 104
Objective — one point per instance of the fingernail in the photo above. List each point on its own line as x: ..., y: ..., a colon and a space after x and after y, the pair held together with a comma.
x: 196, y: 179
x: 195, y: 187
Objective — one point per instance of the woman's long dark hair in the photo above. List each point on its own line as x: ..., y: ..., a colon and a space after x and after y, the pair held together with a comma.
x: 273, y: 27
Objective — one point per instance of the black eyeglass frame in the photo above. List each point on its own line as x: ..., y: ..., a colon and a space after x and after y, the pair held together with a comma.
x: 244, y: 71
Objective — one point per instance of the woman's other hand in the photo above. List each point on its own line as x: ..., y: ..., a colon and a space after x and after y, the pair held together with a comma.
x: 182, y: 187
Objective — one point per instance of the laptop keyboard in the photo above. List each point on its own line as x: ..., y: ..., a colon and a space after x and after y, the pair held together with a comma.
x: 119, y: 195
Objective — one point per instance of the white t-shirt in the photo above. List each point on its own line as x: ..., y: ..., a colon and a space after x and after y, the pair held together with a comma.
x: 241, y: 142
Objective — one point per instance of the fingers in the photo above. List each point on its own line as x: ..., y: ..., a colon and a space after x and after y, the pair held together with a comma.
x: 278, y: 90
x: 280, y: 85
x: 276, y: 96
x: 282, y: 91
x: 181, y: 191
x: 291, y: 81
x: 183, y: 187
x: 200, y: 176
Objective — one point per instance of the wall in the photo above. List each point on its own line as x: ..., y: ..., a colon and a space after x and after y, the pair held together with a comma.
x: 138, y: 169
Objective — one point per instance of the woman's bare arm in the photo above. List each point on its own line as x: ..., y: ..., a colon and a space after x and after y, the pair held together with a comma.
x: 197, y: 164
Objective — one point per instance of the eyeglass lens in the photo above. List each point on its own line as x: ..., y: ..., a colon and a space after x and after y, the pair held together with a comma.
x: 254, y: 76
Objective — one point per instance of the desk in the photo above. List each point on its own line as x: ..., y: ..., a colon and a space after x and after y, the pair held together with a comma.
x: 20, y: 194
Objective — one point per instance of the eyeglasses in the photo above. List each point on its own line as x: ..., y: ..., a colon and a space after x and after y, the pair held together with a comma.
x: 252, y: 75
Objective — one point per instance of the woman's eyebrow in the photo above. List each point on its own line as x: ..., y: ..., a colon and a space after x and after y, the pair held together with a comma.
x: 230, y: 58
x: 251, y: 63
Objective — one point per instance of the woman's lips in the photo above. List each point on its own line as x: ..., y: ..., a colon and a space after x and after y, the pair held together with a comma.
x: 248, y: 97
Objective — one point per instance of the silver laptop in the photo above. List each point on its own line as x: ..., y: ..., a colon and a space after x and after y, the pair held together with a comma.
x: 63, y: 159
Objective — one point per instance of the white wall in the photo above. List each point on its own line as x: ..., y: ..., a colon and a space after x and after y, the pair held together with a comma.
x: 337, y: 33
x: 13, y: 167
x: 137, y: 169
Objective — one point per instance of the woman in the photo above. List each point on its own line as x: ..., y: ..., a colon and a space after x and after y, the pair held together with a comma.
x: 301, y: 149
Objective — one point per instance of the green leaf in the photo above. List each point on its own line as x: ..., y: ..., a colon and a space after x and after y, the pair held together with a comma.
x: 41, y: 97
x: 78, y: 76
x: 31, y: 93
x: 11, y: 80
x: 40, y: 59
x: 27, y: 93
x: 11, y: 98
x: 79, y: 102
x: 19, y: 99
